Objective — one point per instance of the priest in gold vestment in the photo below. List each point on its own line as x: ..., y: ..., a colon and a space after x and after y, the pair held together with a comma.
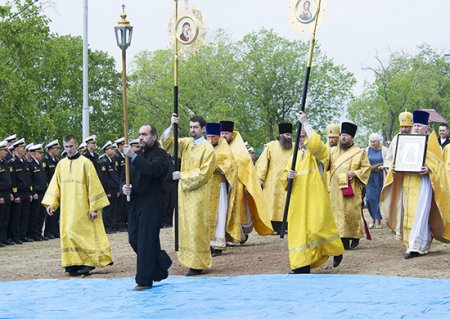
x: 224, y: 222
x: 406, y: 122
x: 446, y: 151
x: 250, y: 201
x: 194, y: 192
x: 76, y: 189
x: 313, y: 236
x: 269, y: 166
x: 349, y: 173
x: 424, y: 197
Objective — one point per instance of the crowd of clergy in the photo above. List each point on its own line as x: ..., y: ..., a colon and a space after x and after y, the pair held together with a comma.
x: 224, y: 193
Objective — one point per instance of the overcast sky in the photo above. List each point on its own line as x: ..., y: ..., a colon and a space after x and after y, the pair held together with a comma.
x: 352, y: 33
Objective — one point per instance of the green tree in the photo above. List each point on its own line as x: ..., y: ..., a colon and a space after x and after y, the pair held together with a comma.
x: 41, y: 84
x: 206, y: 84
x: 257, y: 82
x: 22, y: 38
x: 404, y: 82
x: 273, y: 75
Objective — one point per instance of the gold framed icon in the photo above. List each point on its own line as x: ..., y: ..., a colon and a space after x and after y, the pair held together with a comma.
x: 306, y: 11
x: 187, y: 30
x: 302, y: 14
x: 410, y: 152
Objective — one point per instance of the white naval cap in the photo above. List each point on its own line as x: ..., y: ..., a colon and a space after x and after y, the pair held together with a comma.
x: 82, y: 146
x: 114, y: 146
x: 134, y: 142
x: 54, y: 143
x: 3, y: 145
x: 11, y: 138
x: 36, y: 147
x: 107, y: 145
x: 20, y: 142
x: 28, y: 146
x: 92, y: 138
x: 120, y: 140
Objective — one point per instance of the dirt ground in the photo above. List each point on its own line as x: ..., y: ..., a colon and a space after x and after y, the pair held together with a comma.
x: 383, y: 255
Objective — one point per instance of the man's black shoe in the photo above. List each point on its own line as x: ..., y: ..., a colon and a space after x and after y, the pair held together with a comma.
x: 243, y: 241
x: 194, y: 272
x: 73, y: 274
x: 302, y: 270
x: 37, y: 238
x: 43, y: 237
x: 27, y: 239
x: 84, y: 270
x: 9, y: 241
x: 354, y: 244
x: 216, y: 252
x: 18, y: 242
x: 337, y: 260
x: 50, y: 236
x: 346, y: 243
x: 2, y: 244
x: 411, y: 254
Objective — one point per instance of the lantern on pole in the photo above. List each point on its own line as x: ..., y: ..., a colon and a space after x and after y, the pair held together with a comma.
x: 124, y: 31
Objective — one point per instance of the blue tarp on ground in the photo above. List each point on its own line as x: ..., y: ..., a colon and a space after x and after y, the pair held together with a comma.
x: 258, y: 296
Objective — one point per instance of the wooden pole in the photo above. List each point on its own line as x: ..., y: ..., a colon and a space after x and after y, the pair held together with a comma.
x: 125, y: 116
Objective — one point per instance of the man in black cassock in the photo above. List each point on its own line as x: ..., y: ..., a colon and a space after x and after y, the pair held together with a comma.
x: 148, y: 170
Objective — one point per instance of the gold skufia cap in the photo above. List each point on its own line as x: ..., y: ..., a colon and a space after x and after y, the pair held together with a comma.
x: 405, y: 118
x: 333, y: 130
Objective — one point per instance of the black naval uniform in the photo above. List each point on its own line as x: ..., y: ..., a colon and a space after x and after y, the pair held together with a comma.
x: 9, y: 156
x: 122, y: 205
x: 95, y: 160
x: 5, y: 194
x: 22, y: 189
x: 111, y: 183
x: 51, y: 222
x: 37, y: 211
x: 148, y: 170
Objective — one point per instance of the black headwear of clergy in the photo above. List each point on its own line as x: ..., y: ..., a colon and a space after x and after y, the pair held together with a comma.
x: 212, y: 128
x: 227, y: 126
x: 348, y: 128
x: 284, y: 128
x: 421, y: 117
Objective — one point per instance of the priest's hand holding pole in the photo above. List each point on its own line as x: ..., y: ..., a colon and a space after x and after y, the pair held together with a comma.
x: 290, y: 174
x: 128, y: 152
x: 174, y: 119
x: 126, y: 189
x: 302, y: 118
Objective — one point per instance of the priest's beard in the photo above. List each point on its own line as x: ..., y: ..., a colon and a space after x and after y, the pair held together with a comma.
x: 285, y: 143
x: 345, y: 146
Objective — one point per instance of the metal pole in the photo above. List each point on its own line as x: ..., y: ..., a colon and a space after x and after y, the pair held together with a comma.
x: 175, y: 126
x: 297, y: 137
x: 85, y: 114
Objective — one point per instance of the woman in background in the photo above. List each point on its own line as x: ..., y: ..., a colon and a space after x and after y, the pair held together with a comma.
x: 376, y: 153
